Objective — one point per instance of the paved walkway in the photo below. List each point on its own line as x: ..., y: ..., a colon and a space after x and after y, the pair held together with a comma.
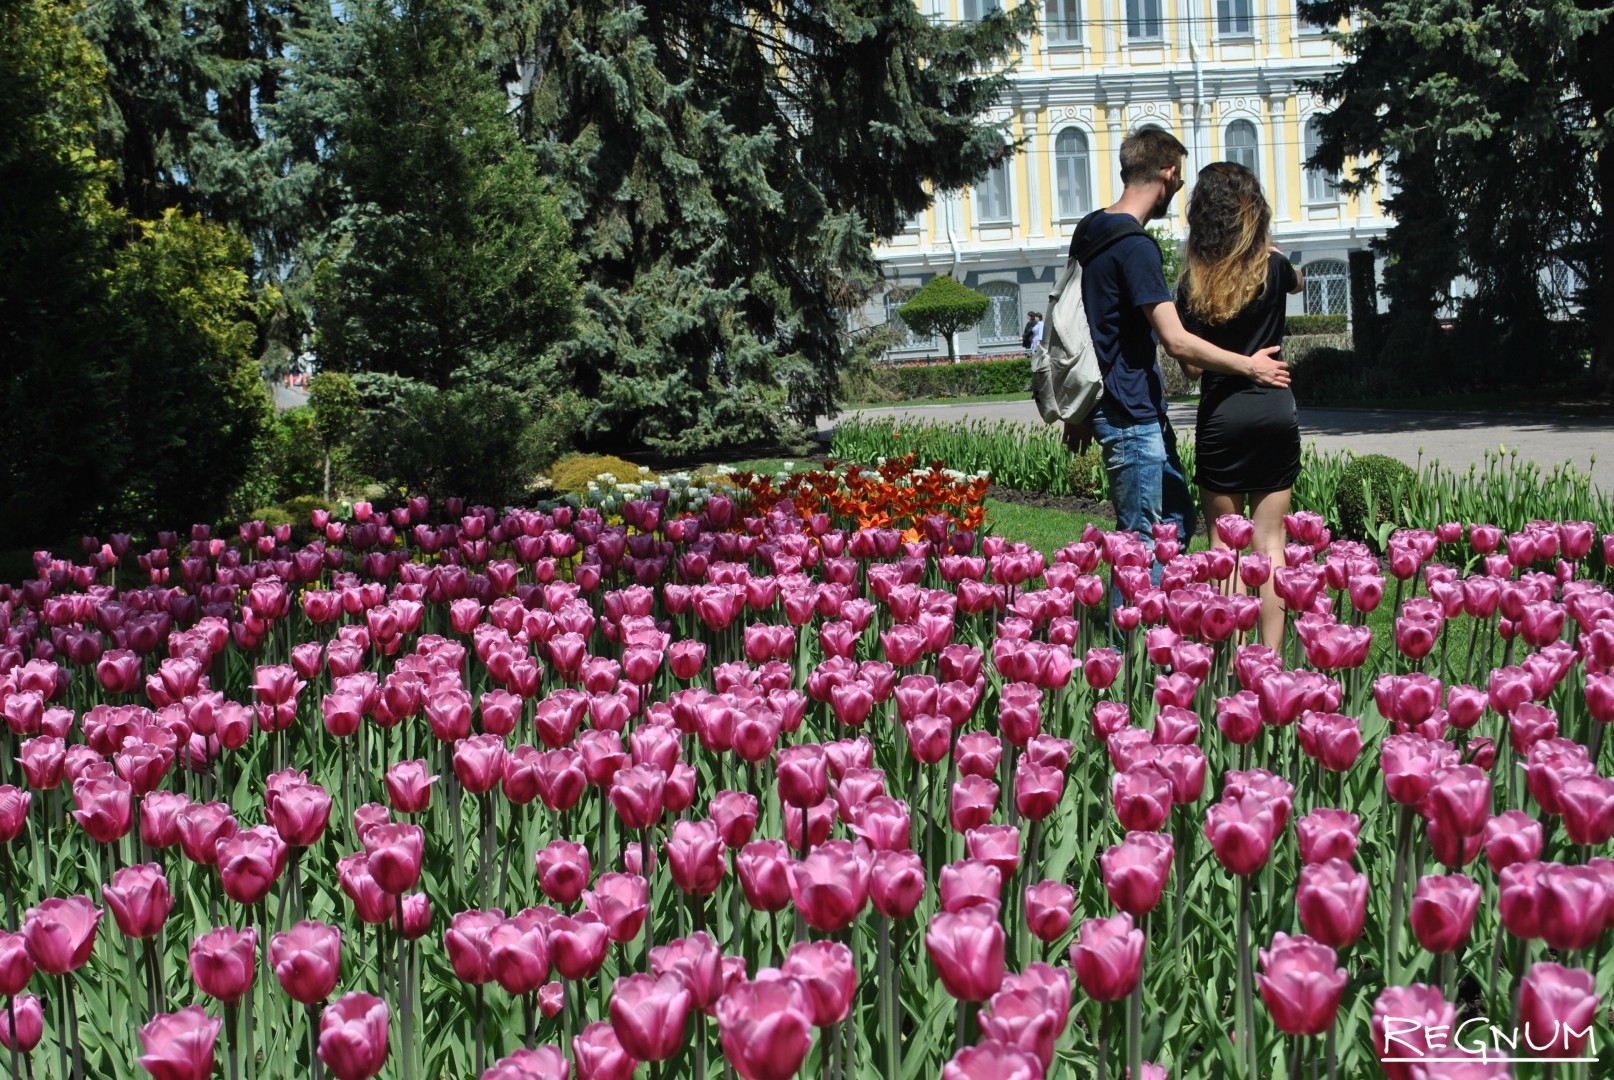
x: 1455, y: 439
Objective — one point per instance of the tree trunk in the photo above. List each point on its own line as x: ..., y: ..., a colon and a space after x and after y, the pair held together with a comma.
x: 327, y: 474
x: 952, y: 352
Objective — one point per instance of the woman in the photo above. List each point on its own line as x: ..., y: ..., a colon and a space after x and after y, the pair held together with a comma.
x: 1247, y: 438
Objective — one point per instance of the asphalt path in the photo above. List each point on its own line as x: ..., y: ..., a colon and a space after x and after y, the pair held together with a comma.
x: 1455, y: 439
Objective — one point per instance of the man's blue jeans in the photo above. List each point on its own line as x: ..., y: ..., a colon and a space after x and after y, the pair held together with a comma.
x: 1147, y: 483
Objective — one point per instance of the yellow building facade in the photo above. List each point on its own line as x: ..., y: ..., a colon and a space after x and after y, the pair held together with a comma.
x: 1225, y: 76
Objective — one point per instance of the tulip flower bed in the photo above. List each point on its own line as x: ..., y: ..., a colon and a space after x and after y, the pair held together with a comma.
x: 534, y: 794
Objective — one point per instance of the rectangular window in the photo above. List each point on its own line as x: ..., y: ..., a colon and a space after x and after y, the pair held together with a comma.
x: 1322, y: 188
x: 976, y: 10
x: 992, y: 197
x: 1143, y: 20
x: 1233, y: 17
x: 1062, y: 21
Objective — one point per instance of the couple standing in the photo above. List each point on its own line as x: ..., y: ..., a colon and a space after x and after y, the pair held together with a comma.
x: 1225, y: 323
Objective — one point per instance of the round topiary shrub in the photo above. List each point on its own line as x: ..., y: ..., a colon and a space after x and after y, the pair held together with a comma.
x: 1356, y: 519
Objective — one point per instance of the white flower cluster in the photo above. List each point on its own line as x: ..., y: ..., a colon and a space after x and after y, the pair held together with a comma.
x: 687, y: 494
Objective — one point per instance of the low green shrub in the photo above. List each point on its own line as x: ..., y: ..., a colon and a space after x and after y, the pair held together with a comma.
x: 573, y: 474
x: 1373, y: 489
x: 1018, y: 456
x: 976, y: 378
x: 1295, y: 325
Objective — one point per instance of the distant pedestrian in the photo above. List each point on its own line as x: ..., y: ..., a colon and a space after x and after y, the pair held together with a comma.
x: 1032, y: 339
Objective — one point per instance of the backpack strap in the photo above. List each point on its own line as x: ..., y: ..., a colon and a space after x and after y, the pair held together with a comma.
x: 1084, y: 248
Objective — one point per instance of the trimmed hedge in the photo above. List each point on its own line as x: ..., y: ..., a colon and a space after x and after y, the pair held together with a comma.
x: 1296, y: 325
x: 974, y: 379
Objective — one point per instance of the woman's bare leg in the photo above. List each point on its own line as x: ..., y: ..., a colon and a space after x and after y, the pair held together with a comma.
x: 1266, y: 510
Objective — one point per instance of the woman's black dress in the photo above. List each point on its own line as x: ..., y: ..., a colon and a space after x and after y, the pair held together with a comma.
x: 1247, y: 438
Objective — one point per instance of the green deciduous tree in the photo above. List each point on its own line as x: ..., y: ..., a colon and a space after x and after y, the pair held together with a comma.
x: 727, y: 167
x: 1489, y: 125
x: 945, y: 307
x: 129, y: 388
x: 337, y: 414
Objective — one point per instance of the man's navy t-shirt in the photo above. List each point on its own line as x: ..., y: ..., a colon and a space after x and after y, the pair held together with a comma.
x: 1115, y: 285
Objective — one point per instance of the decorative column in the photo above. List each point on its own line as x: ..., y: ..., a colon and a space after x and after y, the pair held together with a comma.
x: 1278, y: 156
x: 1029, y: 121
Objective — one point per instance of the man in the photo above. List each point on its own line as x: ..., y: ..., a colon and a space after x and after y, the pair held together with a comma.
x: 1033, y: 335
x: 1129, y: 307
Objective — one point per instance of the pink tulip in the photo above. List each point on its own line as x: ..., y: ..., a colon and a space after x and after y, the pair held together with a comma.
x: 563, y: 870
x: 993, y: 1060
x: 896, y: 883
x: 1442, y: 911
x: 468, y: 941
x: 831, y: 886
x: 763, y: 867
x: 201, y: 826
x: 59, y: 933
x: 250, y: 862
x: 1459, y: 798
x: 803, y: 774
x: 139, y: 899
x: 543, y: 1063
x: 223, y: 962
x: 735, y: 813
x: 43, y: 762
x: 1572, y: 903
x: 371, y: 903
x: 1331, y: 900
x: 30, y: 1024
x: 649, y: 1015
x: 1135, y: 871
x: 103, y: 807
x: 621, y: 902
x: 637, y: 794
x: 825, y: 970
x: 300, y: 814
x: 16, y: 964
x: 479, y: 763
x: 1300, y: 984
x: 766, y: 1027
x: 695, y: 857
x: 1241, y: 833
x: 578, y: 944
x: 1587, y: 806
x: 395, y: 852
x: 1557, y: 1010
x: 1050, y: 908
x: 971, y: 803
x: 1037, y: 789
x: 598, y: 1054
x: 967, y: 949
x: 1404, y: 1018
x: 969, y: 882
x: 353, y: 1036
x: 1327, y: 834
x: 518, y: 955
x: 307, y: 959
x: 1512, y: 837
x: 409, y: 786
x: 1108, y: 957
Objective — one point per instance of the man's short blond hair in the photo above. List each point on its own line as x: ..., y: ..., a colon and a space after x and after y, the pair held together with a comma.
x: 1146, y: 152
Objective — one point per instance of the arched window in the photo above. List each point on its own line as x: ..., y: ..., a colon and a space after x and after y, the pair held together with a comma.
x: 1327, y: 287
x: 992, y: 206
x: 1001, y: 323
x: 1242, y: 144
x: 1072, y: 173
x: 1321, y: 186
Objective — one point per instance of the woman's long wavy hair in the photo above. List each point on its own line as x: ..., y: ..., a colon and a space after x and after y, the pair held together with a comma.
x: 1229, y: 231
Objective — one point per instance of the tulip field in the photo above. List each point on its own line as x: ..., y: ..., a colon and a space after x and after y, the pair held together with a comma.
x: 813, y: 778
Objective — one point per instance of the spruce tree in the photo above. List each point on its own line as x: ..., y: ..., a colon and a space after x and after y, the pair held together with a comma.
x: 728, y: 167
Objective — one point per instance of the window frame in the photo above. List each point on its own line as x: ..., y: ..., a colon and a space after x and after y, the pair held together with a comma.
x: 999, y: 173
x: 1011, y: 332
x: 1226, y: 25
x: 1320, y: 275
x: 1075, y: 26
x: 1254, y: 164
x: 1158, y: 36
x: 1310, y: 139
x: 1086, y: 166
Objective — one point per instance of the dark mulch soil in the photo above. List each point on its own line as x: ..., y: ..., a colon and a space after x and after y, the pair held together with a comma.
x: 1074, y: 504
